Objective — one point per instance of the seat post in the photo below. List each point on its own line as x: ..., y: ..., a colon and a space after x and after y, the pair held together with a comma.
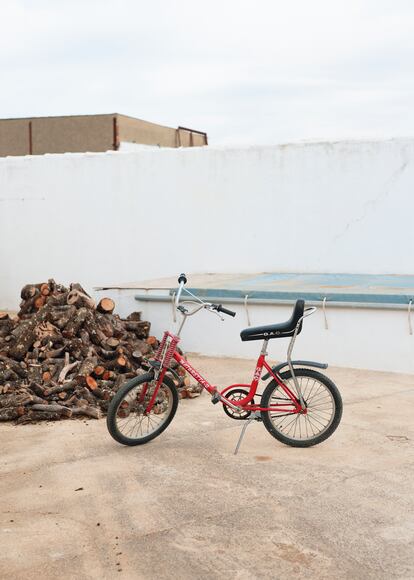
x: 264, y: 346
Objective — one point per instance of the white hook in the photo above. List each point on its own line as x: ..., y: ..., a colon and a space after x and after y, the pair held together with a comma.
x: 247, y: 310
x: 173, y: 307
x: 324, y: 313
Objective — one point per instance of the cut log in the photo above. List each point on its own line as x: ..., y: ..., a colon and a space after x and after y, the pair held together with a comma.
x: 9, y: 375
x: 112, y: 342
x: 28, y: 291
x: 75, y: 323
x: 75, y: 297
x: 22, y: 345
x: 135, y: 316
x: 65, y: 411
x: 39, y: 302
x: 91, y: 383
x: 99, y: 371
x: 87, y: 396
x: 47, y: 332
x: 99, y: 393
x: 18, y: 368
x: 37, y: 389
x: 34, y: 416
x: 28, y: 305
x: 106, y: 306
x: 57, y: 300
x: 60, y: 388
x: 74, y: 346
x: 87, y: 366
x: 44, y: 289
x: 141, y: 329
x: 120, y: 363
x: 11, y: 413
x: 55, y: 353
x: 15, y: 400
x: 89, y: 411
x: 47, y: 376
x: 95, y: 333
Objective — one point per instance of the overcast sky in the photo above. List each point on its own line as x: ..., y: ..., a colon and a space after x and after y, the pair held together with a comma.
x: 247, y: 72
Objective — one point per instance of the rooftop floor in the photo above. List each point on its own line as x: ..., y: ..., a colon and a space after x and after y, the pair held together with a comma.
x: 185, y: 506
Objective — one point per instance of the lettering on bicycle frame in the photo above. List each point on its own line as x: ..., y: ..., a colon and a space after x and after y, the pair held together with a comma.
x: 194, y: 373
x: 257, y: 373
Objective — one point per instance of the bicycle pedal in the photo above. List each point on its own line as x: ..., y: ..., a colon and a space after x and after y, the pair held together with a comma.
x: 215, y: 398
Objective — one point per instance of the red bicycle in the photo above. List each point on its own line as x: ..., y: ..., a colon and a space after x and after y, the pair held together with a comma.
x: 299, y: 406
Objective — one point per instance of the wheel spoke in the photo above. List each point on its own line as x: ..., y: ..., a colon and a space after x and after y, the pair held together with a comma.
x: 138, y: 424
x: 320, y: 409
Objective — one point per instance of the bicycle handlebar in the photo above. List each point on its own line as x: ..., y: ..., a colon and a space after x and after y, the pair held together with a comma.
x: 220, y: 308
x: 182, y: 280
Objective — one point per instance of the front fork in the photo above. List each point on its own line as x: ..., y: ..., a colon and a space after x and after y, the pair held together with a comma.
x: 159, y: 377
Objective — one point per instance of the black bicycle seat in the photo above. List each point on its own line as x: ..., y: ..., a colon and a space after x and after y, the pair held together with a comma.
x: 281, y: 330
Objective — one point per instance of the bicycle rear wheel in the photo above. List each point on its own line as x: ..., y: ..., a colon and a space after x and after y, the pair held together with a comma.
x: 127, y: 421
x: 324, y: 409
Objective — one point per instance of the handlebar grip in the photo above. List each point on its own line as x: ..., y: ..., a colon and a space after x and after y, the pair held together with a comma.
x: 182, y: 278
x: 225, y: 311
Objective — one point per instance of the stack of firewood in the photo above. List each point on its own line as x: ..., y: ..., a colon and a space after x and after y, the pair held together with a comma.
x: 64, y: 356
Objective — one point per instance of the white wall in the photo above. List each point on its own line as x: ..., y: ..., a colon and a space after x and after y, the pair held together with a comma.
x: 119, y: 217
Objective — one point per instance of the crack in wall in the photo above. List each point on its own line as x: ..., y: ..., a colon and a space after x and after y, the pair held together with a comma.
x: 371, y: 204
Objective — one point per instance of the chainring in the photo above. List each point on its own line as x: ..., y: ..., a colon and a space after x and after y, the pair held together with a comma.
x: 237, y: 395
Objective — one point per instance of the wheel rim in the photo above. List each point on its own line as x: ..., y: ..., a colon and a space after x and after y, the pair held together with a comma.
x: 303, y: 426
x: 132, y: 421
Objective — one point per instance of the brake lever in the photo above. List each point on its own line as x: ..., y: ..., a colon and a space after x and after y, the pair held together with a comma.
x: 211, y: 308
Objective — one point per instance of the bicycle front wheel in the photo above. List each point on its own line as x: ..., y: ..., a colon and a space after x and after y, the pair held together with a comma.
x: 127, y: 421
x: 323, y: 409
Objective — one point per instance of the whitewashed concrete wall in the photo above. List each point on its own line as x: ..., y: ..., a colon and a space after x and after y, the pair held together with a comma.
x: 120, y: 217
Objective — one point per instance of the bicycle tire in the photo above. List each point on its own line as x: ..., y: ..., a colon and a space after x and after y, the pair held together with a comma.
x: 276, y: 431
x: 113, y: 410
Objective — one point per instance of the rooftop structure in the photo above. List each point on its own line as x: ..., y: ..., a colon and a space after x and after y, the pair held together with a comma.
x: 82, y: 133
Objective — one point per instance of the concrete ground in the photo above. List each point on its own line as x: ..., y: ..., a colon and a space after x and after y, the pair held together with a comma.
x: 74, y: 504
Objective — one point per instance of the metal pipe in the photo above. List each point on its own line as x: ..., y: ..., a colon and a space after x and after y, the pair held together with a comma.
x: 30, y: 138
x: 276, y: 302
x: 115, y: 143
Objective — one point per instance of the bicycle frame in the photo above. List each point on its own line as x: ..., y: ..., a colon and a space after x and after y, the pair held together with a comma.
x: 167, y: 351
x: 294, y: 406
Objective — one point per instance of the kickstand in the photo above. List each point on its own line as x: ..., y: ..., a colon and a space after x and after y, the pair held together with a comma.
x: 253, y: 417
